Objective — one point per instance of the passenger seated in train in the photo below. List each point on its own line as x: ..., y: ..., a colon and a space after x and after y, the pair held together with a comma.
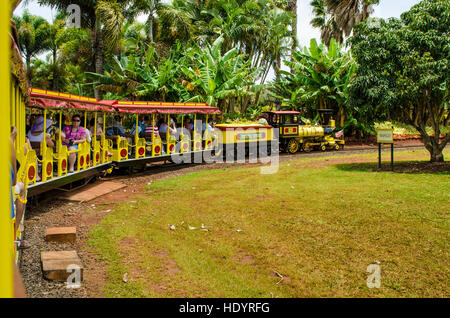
x: 74, y: 135
x: 63, y: 120
x: 36, y: 135
x: 31, y: 119
x: 116, y: 129
x: 163, y: 129
x: 188, y: 126
x: 93, y: 131
x: 150, y: 129
x: 210, y: 126
x: 141, y: 128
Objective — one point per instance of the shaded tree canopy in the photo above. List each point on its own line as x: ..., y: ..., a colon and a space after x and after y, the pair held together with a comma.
x: 404, y: 70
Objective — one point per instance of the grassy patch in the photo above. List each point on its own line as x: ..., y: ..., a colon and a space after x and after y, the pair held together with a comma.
x: 309, y: 230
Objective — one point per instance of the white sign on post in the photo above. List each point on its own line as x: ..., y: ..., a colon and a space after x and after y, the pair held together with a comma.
x: 385, y: 136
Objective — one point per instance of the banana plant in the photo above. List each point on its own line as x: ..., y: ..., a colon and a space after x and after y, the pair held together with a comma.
x: 319, y: 80
x: 216, y: 77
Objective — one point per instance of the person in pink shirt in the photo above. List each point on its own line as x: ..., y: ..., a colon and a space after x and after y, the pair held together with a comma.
x: 74, y: 135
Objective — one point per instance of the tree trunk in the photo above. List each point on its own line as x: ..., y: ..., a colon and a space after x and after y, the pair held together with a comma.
x: 278, y: 67
x: 150, y: 27
x: 54, y: 87
x: 436, y: 154
x: 294, y: 31
x: 432, y: 144
x: 98, y: 53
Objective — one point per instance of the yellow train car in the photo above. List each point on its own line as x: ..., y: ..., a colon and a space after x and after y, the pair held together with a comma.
x: 238, y: 140
x: 154, y: 147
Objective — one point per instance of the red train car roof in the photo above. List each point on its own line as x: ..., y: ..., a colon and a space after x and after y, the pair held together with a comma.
x: 48, y: 99
x: 54, y: 100
x: 139, y: 107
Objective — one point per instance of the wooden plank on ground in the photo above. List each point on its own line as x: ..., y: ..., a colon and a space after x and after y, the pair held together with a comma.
x: 93, y: 191
x: 61, y: 234
x: 58, y: 266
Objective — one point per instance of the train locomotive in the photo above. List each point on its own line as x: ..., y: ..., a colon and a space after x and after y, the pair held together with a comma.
x: 298, y: 135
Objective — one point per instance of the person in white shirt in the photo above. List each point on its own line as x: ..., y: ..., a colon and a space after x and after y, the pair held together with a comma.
x: 210, y: 126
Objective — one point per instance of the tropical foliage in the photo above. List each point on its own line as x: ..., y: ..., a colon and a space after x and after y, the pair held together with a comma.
x: 33, y: 33
x: 337, y: 18
x: 404, y: 70
x: 319, y: 80
x: 191, y: 75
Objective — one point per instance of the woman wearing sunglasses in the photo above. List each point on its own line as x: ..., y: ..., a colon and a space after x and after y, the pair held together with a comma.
x: 74, y: 135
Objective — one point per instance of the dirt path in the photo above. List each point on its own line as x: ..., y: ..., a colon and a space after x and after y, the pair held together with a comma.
x: 86, y: 215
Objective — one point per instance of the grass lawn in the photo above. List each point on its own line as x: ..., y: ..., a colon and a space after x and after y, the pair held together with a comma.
x: 310, y: 230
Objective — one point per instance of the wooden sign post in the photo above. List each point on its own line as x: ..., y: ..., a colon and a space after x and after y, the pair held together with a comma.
x: 385, y: 136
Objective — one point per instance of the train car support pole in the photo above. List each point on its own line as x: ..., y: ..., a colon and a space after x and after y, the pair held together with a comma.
x: 153, y: 133
x: 59, y: 137
x: 193, y: 138
x: 136, y: 137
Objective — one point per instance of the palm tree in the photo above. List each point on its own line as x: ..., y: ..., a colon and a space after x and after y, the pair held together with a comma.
x: 348, y: 12
x: 33, y: 34
x: 278, y: 37
x: 54, y: 33
x: 293, y: 10
x: 326, y: 23
x: 176, y: 22
x: 104, y: 19
x: 149, y: 7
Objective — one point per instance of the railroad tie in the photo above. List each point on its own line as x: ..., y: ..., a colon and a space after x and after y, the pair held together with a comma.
x: 61, y: 265
x: 61, y: 234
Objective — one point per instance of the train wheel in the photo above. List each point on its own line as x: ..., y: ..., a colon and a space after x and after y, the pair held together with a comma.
x: 293, y: 146
x: 323, y: 147
x: 337, y: 147
x: 306, y: 148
